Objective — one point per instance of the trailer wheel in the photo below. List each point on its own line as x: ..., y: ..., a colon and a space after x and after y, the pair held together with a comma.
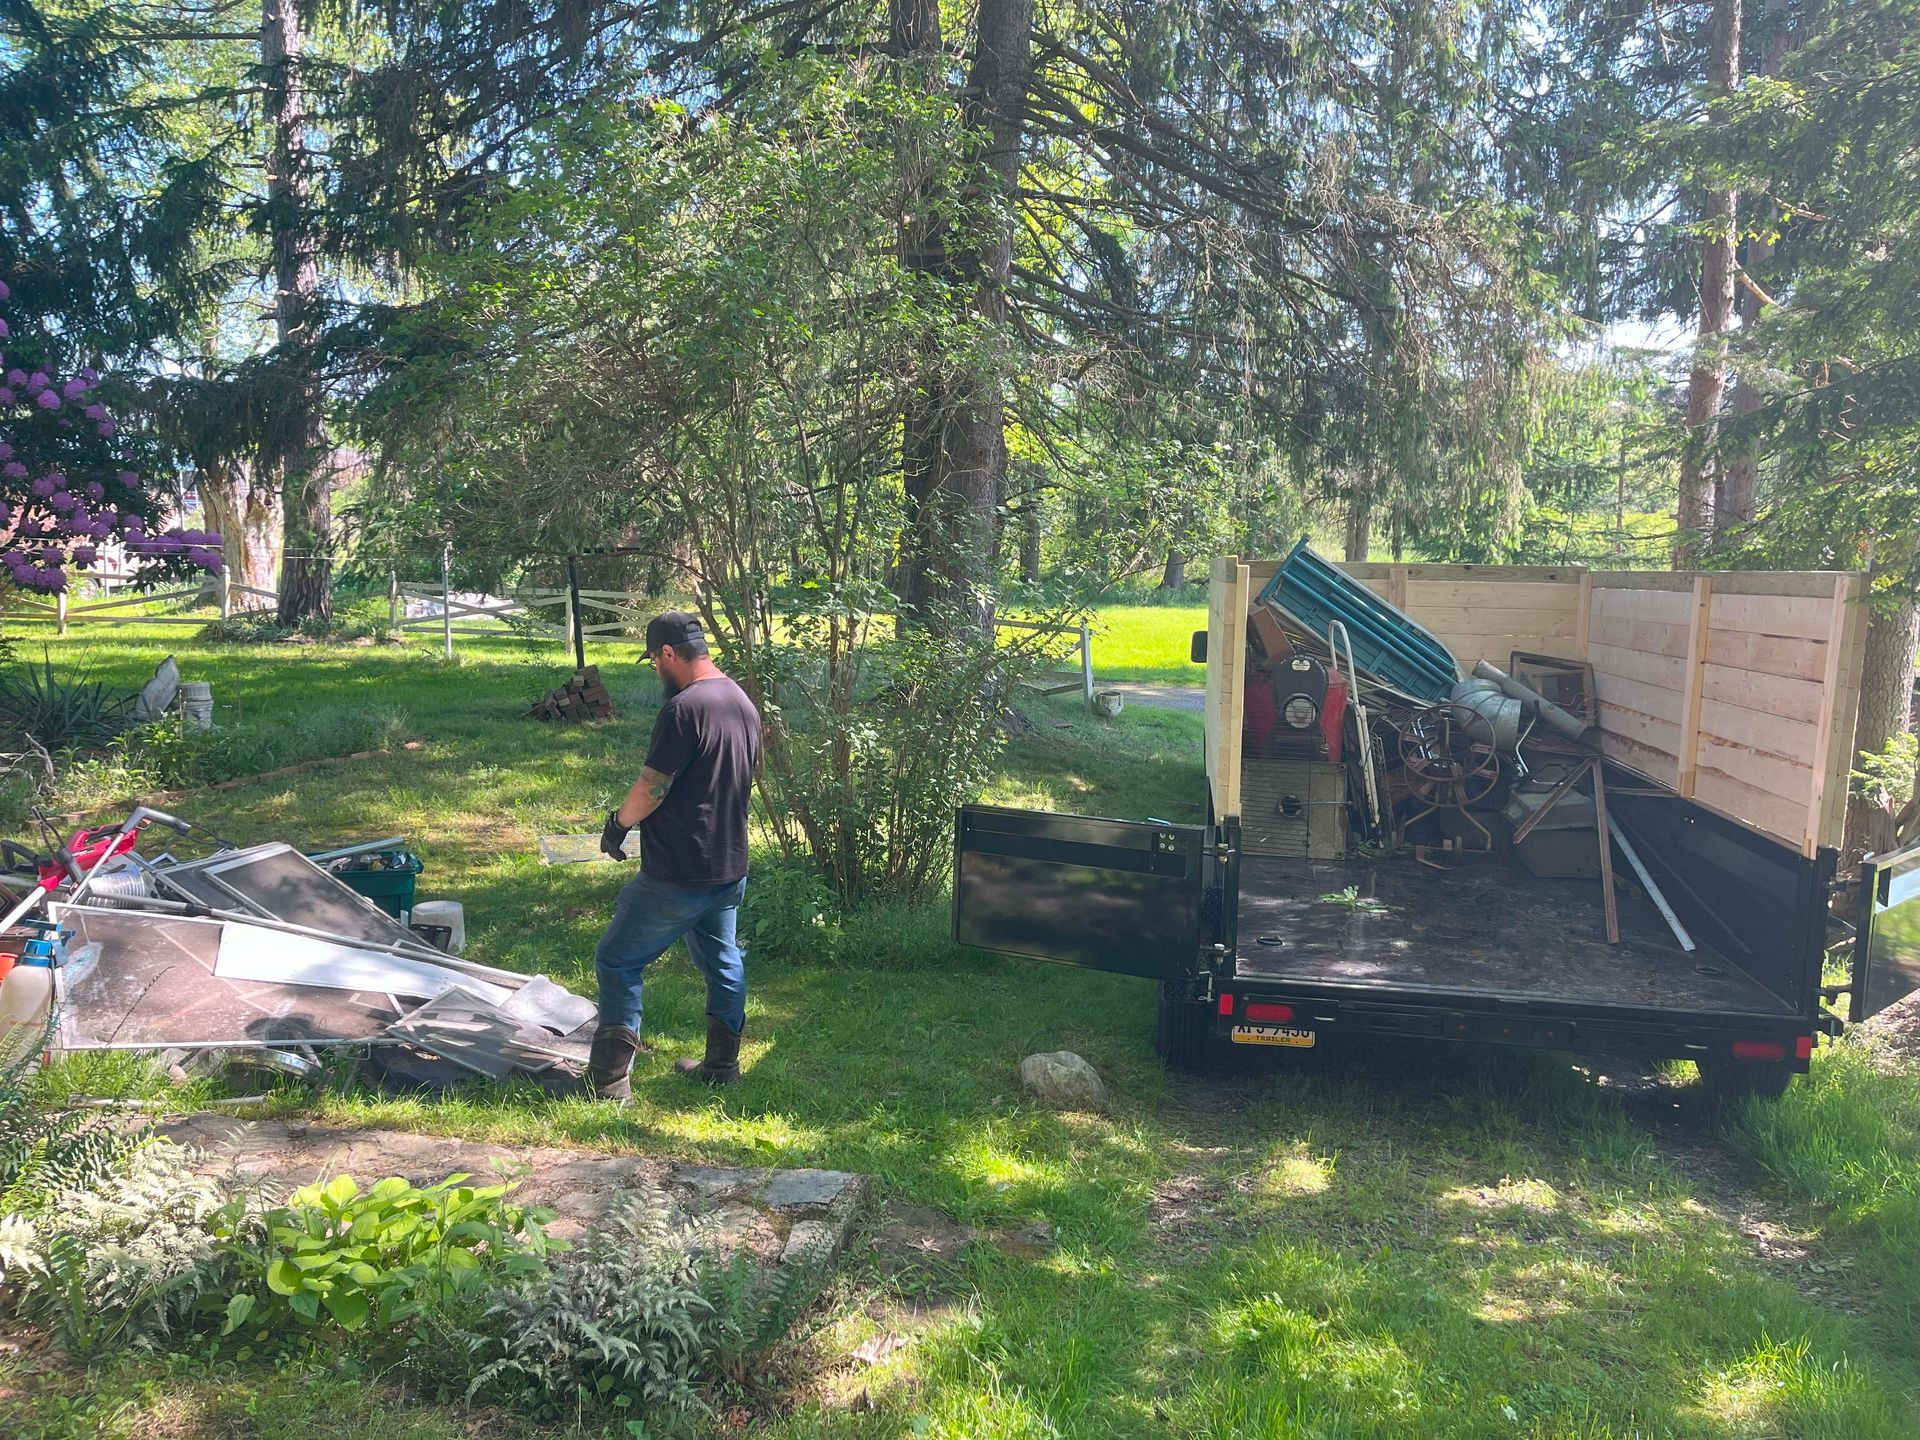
x: 1728, y: 1081
x: 1180, y: 1031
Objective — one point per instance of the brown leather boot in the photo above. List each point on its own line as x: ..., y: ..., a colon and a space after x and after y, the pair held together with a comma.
x: 722, y: 1065
x: 610, y: 1063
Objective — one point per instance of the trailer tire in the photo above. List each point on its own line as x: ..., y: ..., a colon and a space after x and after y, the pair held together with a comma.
x: 1180, y: 1031
x: 1727, y: 1082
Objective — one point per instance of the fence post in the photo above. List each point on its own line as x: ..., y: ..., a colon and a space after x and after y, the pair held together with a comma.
x: 226, y: 594
x: 1086, y: 667
x: 446, y: 599
x: 575, y: 624
x: 60, y: 608
x: 393, y: 601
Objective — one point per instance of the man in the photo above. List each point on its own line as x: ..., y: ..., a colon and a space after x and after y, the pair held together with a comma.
x: 690, y: 804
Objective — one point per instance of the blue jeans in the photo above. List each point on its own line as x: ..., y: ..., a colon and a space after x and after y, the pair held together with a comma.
x: 648, y: 917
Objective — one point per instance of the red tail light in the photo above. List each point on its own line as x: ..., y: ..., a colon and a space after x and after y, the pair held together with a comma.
x: 1759, y: 1050
x: 1803, y: 1048
x: 1226, y: 1004
x: 1256, y: 1010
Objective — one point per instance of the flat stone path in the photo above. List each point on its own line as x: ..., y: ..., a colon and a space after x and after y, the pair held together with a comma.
x: 780, y: 1216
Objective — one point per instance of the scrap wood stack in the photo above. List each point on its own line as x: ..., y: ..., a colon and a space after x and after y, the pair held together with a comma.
x: 581, y: 698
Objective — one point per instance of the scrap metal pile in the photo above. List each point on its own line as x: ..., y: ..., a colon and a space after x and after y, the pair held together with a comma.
x: 119, y: 944
x: 1360, y: 729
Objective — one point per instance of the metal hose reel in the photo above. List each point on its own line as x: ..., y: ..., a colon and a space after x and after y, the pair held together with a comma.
x: 1449, y: 760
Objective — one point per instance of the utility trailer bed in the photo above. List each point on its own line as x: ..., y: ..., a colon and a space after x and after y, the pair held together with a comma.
x: 1488, y: 930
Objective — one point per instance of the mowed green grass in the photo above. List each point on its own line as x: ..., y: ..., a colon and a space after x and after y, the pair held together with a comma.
x: 1148, y: 643
x: 1412, y: 1246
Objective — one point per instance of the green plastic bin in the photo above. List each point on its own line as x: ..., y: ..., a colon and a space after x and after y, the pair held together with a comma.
x: 391, y: 889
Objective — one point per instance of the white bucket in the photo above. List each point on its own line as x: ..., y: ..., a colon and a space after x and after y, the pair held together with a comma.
x: 449, y: 913
x: 196, y: 704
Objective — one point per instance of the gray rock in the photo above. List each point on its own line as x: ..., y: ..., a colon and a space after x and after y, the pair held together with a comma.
x: 804, y: 1190
x: 1063, y: 1081
x: 812, y: 1242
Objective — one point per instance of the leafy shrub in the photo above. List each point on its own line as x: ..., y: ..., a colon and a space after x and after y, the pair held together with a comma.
x: 791, y: 914
x: 383, y: 1255
x: 58, y: 713
x: 357, y: 619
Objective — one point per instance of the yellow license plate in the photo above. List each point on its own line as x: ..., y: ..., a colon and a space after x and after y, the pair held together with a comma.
x: 1272, y: 1035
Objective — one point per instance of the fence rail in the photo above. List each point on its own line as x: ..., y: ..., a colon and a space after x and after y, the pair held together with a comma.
x: 629, y: 611
x: 63, y: 610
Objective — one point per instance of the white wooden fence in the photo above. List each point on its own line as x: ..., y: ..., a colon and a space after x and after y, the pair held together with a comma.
x: 127, y: 608
x: 587, y: 613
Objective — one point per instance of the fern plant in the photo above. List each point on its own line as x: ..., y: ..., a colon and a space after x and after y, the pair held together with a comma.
x: 619, y: 1321
x: 127, y: 1257
x: 43, y: 1152
x: 754, y: 1312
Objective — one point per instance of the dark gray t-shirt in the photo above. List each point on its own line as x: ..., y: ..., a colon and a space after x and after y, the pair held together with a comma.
x: 708, y: 739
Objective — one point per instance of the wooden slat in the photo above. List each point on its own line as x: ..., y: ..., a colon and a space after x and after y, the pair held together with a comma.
x: 1491, y: 619
x: 1474, y: 596
x: 1832, y: 759
x: 1776, y: 774
x: 1768, y: 812
x: 1694, y: 676
x: 1654, y: 636
x: 1761, y: 729
x: 1672, y: 607
x: 1777, y: 694
x: 1647, y: 666
x: 1768, y: 654
x: 1655, y: 700
x: 1804, y: 616
x: 1583, y: 618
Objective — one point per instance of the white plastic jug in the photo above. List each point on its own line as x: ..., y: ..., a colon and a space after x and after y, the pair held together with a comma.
x: 26, y: 995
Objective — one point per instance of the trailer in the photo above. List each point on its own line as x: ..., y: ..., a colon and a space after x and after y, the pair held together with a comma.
x: 1725, y: 705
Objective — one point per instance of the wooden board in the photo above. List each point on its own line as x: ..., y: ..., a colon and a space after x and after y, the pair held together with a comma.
x: 1228, y: 596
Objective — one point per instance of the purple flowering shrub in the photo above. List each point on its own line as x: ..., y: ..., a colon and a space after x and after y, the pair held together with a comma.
x: 65, y: 494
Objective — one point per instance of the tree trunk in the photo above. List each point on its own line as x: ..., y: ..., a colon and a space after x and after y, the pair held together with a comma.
x: 1030, y: 527
x: 1175, y: 575
x: 1707, y: 383
x: 295, y: 441
x: 1886, y: 709
x: 247, y: 515
x: 1733, y: 506
x: 953, y: 444
x: 1359, y: 537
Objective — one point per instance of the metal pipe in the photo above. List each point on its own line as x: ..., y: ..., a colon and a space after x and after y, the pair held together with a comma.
x: 1569, y: 725
x: 1653, y: 891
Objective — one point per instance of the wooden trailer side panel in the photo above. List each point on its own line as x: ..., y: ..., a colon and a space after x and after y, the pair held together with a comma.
x: 1737, y: 688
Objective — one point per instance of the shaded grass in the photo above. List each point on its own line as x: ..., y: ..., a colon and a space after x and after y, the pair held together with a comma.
x: 1415, y: 1244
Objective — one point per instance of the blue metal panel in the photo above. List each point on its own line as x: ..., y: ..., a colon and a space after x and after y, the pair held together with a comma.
x: 1386, y: 643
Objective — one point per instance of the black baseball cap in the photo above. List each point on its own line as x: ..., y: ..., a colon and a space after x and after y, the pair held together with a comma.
x: 674, y: 627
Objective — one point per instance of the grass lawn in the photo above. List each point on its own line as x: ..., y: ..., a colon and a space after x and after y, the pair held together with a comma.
x: 1406, y: 1247
x: 1148, y: 643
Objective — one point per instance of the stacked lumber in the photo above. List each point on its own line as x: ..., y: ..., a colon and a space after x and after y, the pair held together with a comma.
x: 581, y: 698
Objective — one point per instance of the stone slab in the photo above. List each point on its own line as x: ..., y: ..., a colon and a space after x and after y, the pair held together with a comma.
x: 777, y: 1215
